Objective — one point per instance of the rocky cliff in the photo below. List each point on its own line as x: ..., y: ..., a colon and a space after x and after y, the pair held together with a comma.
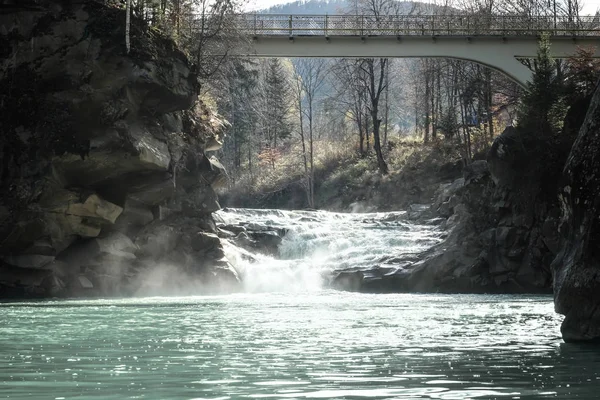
x: 577, y: 265
x: 501, y: 220
x: 106, y: 185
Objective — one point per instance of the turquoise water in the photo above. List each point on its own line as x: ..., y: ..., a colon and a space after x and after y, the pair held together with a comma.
x: 320, y: 345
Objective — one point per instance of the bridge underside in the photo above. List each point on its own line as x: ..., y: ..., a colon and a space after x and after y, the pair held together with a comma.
x: 499, y: 53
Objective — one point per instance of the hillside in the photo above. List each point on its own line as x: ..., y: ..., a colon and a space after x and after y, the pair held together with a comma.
x: 320, y: 7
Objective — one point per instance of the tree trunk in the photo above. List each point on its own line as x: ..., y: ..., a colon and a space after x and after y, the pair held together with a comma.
x: 367, y: 133
x: 311, y: 149
x: 427, y: 94
x: 127, y: 25
x: 304, y: 159
x: 383, y: 168
x: 387, y: 107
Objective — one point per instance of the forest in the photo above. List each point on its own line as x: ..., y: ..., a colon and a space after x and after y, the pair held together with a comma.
x: 286, y: 118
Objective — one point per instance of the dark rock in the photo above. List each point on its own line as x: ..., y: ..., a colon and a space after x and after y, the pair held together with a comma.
x: 35, y: 261
x: 205, y: 241
x: 134, y: 216
x: 350, y: 281
x: 576, y: 268
x: 475, y: 172
x: 101, y: 150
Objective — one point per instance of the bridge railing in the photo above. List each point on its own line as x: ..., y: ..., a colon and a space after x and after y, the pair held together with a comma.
x: 414, y: 25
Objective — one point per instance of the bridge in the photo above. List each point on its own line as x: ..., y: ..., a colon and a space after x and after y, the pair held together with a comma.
x: 494, y: 41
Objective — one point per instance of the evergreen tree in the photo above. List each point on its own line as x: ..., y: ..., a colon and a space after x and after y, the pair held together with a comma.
x: 542, y: 108
x: 239, y: 108
x: 277, y: 103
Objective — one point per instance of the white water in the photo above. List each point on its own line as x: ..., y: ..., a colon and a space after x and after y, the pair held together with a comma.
x: 318, y: 243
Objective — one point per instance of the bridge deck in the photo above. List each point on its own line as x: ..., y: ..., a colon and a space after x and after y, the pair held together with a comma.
x: 415, y: 25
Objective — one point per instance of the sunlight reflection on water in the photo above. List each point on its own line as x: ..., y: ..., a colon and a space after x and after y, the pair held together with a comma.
x: 326, y: 345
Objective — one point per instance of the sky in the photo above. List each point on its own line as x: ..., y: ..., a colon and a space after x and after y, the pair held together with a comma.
x: 590, y: 6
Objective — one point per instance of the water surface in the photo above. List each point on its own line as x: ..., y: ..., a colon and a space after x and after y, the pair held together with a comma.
x: 318, y: 345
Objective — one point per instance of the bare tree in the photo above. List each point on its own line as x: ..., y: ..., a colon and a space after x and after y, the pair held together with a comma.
x: 312, y: 73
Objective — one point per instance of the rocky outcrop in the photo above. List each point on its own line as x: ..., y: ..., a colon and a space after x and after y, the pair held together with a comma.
x: 501, y: 223
x: 254, y: 237
x: 577, y: 265
x: 103, y: 172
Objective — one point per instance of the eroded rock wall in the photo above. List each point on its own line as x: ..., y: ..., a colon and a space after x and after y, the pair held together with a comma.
x: 104, y: 178
x: 577, y: 265
x: 502, y: 220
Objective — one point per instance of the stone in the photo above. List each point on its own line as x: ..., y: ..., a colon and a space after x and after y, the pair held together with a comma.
x: 216, y: 175
x: 213, y: 144
x: 35, y: 261
x: 113, y: 243
x: 158, y: 240
x: 24, y: 282
x: 165, y: 212
x: 85, y: 282
x: 4, y: 213
x: 475, y: 172
x: 202, y: 241
x: 127, y: 144
x: 576, y: 268
x: 42, y: 246
x: 200, y: 201
x: 93, y: 207
x: 350, y: 281
x: 505, y: 236
x: 153, y: 153
x: 152, y: 190
x: 134, y: 216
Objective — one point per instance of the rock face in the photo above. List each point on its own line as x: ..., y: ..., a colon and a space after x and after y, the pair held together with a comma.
x: 102, y: 158
x: 577, y: 265
x: 501, y: 220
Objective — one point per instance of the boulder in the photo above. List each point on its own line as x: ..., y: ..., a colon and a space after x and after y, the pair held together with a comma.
x: 157, y: 241
x: 217, y: 175
x: 135, y: 215
x: 35, y: 261
x: 202, y: 241
x: 93, y: 207
x: 29, y: 283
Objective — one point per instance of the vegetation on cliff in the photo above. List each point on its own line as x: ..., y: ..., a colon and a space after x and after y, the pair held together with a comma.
x: 105, y: 181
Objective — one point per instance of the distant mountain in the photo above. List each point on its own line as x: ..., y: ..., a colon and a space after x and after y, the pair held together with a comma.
x: 332, y: 7
x: 304, y: 7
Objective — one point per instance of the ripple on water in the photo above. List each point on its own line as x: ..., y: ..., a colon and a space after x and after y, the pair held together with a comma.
x: 322, y: 345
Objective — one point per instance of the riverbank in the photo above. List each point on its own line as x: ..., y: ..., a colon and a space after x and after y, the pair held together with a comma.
x: 346, y: 182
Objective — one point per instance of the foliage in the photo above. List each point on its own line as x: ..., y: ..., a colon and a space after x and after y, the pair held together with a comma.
x: 584, y: 72
x: 201, y: 28
x: 277, y: 102
x: 543, y: 108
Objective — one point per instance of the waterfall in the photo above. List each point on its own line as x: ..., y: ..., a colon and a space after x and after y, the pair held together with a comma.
x: 314, y: 246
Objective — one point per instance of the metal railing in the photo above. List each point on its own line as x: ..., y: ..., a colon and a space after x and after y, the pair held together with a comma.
x: 414, y: 25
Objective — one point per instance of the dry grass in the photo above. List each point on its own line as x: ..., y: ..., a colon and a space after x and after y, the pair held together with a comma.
x: 342, y: 176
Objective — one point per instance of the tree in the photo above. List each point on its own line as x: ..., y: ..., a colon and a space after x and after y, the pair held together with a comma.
x: 311, y: 73
x: 583, y: 71
x: 542, y: 107
x: 202, y: 28
x: 277, y: 102
x: 127, y: 25
x: 238, y: 106
x: 376, y: 84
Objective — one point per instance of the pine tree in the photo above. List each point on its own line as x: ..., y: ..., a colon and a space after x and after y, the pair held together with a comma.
x: 543, y: 109
x: 277, y: 103
x: 239, y: 108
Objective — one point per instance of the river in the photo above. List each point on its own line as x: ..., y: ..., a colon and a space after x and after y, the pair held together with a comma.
x: 299, y: 340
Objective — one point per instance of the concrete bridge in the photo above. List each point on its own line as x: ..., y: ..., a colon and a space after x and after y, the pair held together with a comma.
x: 495, y: 41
